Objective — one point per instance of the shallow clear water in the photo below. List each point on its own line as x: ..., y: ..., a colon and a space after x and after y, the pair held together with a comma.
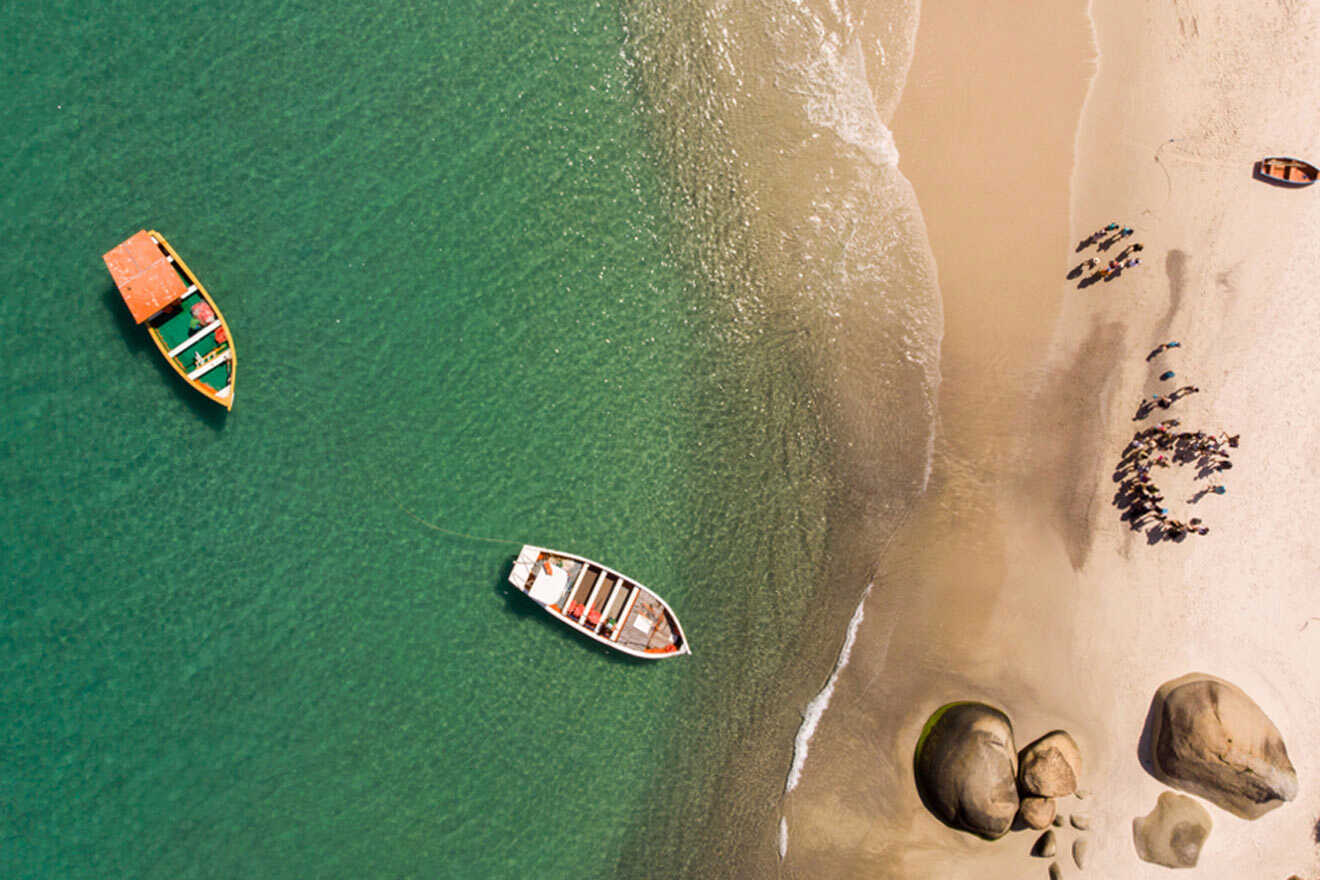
x: 453, y: 248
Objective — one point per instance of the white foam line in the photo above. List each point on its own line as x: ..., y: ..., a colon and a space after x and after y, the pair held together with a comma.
x: 816, y: 708
x: 783, y: 837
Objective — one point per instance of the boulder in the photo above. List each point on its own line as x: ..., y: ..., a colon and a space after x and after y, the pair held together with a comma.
x: 1037, y: 812
x: 1172, y: 834
x: 1056, y: 873
x: 1051, y: 766
x: 965, y: 766
x: 1080, y: 821
x: 1209, y: 738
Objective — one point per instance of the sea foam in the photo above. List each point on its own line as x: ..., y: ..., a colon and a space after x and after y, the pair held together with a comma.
x: 816, y: 708
x: 843, y: 102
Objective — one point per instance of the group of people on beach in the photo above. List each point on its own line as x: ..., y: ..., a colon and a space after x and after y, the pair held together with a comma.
x: 1161, y: 446
x: 1109, y: 235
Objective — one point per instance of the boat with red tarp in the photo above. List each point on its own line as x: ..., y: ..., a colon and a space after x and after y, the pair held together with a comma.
x: 599, y: 602
x: 182, y: 319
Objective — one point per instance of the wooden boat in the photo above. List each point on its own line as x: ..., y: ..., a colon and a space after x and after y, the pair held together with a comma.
x: 1285, y: 171
x: 184, y: 322
x: 614, y: 610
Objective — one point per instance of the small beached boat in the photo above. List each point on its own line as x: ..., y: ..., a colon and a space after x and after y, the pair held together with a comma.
x: 184, y: 322
x: 1285, y: 171
x: 614, y: 610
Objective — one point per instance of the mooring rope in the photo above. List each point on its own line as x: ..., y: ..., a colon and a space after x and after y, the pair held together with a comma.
x: 443, y: 530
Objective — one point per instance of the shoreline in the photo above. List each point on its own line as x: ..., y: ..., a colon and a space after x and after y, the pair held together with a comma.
x: 1017, y: 583
x: 1002, y: 292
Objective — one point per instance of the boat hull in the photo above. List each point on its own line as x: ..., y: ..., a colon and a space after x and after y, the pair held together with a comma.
x: 224, y: 394
x: 1286, y: 171
x: 600, y: 603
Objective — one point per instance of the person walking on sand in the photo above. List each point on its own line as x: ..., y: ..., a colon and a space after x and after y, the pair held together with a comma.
x: 1130, y: 263
x: 1161, y: 348
x: 1125, y: 232
x: 1184, y: 391
x: 1218, y: 489
x: 1109, y: 227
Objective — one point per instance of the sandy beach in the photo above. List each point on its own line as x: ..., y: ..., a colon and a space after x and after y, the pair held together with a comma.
x: 1017, y: 583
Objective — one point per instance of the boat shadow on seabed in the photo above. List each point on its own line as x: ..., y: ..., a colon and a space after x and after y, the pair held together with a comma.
x: 517, y: 604
x: 140, y: 346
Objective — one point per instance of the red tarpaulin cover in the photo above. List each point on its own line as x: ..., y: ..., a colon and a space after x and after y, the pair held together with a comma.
x: 146, y: 280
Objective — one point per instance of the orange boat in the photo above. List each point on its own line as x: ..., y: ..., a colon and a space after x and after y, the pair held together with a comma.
x: 184, y: 322
x: 1286, y: 171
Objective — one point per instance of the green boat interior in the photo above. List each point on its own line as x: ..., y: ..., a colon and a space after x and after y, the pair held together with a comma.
x: 190, y: 337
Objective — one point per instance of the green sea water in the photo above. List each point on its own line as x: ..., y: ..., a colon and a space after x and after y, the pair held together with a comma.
x: 453, y: 271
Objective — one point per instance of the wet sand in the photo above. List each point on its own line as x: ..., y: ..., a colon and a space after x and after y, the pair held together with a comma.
x: 1017, y: 583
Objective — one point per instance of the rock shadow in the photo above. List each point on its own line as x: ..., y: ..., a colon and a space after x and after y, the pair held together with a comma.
x: 1149, y: 730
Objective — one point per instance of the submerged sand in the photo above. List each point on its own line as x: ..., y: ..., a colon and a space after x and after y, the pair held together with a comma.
x: 1017, y: 583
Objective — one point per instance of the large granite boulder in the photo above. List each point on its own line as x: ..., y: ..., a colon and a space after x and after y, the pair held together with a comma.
x: 1209, y: 738
x: 1051, y: 766
x: 1172, y: 834
x: 966, y: 765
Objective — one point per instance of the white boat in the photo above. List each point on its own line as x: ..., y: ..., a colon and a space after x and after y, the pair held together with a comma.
x: 596, y: 600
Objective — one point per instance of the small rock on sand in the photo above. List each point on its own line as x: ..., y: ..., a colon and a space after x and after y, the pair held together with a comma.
x: 1037, y: 812
x: 966, y: 767
x: 1080, y: 821
x: 1045, y: 847
x: 1081, y: 849
x: 1051, y: 766
x: 1173, y: 832
x: 1056, y: 873
x: 1058, y: 821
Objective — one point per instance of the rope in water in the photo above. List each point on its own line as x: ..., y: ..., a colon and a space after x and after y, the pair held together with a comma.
x: 443, y: 530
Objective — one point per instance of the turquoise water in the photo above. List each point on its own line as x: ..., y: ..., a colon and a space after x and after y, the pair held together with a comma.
x: 446, y: 253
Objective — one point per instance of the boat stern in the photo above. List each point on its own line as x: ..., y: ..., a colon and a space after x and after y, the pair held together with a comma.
x: 522, y: 566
